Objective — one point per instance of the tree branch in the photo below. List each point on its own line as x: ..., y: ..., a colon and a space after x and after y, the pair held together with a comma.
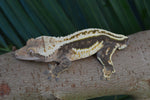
x: 25, y: 79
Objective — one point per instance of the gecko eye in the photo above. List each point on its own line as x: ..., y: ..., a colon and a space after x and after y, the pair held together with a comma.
x: 31, y: 52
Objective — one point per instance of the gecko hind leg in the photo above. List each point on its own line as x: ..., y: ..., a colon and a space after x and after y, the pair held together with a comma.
x: 105, y: 58
x: 107, y: 69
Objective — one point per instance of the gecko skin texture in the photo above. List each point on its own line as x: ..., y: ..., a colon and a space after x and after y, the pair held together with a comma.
x: 78, y: 45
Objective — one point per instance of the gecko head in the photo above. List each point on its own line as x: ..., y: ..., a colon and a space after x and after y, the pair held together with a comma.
x: 30, y: 50
x: 39, y: 49
x: 124, y: 43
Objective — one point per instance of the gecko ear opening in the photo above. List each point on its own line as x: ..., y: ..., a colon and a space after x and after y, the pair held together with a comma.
x: 30, y: 40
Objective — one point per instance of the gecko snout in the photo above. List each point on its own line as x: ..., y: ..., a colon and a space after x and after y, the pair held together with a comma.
x: 15, y: 53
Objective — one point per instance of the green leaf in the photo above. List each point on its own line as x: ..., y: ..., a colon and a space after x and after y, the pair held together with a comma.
x: 110, y: 17
x: 147, y: 6
x: 2, y: 42
x: 4, y: 50
x: 37, y: 21
x: 30, y: 29
x: 59, y: 17
x: 143, y: 12
x: 9, y: 32
x: 10, y: 15
x: 93, y: 14
x: 125, y: 15
x: 42, y: 14
x: 74, y: 13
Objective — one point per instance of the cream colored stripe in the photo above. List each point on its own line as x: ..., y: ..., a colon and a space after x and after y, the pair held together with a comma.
x: 78, y: 35
x: 110, y: 58
x: 86, y: 52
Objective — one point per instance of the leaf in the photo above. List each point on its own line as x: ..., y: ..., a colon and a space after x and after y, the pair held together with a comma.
x: 10, y: 15
x: 37, y: 21
x: 2, y: 42
x: 74, y: 13
x: 59, y: 17
x: 143, y: 10
x: 125, y: 15
x: 43, y: 16
x: 93, y: 15
x: 29, y: 28
x: 7, y: 29
x: 110, y: 17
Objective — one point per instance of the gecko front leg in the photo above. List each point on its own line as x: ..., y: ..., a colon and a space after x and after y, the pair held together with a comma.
x: 63, y: 64
x: 105, y: 58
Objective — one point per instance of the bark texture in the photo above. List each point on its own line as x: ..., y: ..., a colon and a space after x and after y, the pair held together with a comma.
x: 25, y: 80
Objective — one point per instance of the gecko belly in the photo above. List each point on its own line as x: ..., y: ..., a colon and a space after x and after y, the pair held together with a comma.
x: 85, y: 52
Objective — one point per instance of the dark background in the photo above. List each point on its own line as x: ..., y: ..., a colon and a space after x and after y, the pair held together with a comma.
x: 24, y: 19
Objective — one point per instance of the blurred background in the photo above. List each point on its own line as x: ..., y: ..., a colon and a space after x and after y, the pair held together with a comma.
x: 24, y: 19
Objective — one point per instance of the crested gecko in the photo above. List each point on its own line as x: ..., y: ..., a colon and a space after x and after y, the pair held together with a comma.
x: 81, y: 44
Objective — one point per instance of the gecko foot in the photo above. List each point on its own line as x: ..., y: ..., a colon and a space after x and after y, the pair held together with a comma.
x: 107, y: 72
x: 52, y: 77
x: 50, y: 73
x: 49, y: 78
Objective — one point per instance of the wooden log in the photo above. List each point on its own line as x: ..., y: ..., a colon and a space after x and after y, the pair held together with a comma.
x: 22, y: 80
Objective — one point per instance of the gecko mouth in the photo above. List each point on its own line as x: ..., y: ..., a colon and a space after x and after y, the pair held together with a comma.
x: 28, y: 58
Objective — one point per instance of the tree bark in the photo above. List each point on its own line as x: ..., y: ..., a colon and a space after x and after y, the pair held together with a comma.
x: 25, y: 80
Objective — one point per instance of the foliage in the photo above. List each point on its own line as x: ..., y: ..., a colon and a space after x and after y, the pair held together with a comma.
x: 23, y: 19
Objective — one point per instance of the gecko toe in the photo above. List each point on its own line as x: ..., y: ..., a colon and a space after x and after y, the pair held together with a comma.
x: 107, y: 73
x: 49, y: 78
x: 46, y: 72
